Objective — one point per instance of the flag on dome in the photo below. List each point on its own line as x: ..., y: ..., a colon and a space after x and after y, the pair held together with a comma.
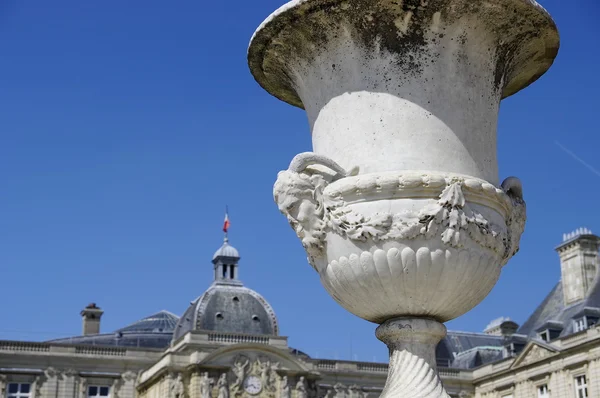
x: 226, y: 223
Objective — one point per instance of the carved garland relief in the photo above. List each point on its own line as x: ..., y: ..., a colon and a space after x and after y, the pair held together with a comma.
x: 312, y: 211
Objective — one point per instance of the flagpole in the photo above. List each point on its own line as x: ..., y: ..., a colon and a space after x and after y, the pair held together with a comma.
x: 226, y: 225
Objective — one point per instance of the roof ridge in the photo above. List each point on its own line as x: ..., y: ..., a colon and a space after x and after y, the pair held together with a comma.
x: 168, y: 313
x: 473, y: 333
x: 482, y: 347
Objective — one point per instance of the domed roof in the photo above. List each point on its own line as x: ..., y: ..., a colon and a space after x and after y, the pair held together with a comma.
x: 226, y: 251
x: 162, y: 321
x: 229, y: 307
x: 154, y: 331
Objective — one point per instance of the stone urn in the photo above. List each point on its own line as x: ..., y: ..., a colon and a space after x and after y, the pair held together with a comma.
x: 399, y: 205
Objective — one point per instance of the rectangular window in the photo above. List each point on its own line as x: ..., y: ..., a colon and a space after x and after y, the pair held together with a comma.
x: 19, y: 390
x: 98, y: 391
x: 543, y: 391
x: 581, y: 387
x: 545, y: 336
x: 580, y: 325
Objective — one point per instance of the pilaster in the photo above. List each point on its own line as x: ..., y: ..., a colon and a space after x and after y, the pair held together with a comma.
x: 46, y: 384
x: 68, y: 384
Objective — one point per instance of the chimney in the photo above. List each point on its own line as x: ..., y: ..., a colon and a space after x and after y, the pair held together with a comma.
x: 501, y: 327
x: 91, y: 319
x: 578, y: 254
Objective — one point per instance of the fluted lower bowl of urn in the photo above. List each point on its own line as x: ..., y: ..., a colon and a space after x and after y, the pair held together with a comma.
x: 419, y: 244
x: 399, y: 206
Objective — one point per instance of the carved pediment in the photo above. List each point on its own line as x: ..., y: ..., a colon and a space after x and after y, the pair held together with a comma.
x: 259, y: 372
x: 227, y: 356
x: 256, y: 376
x: 534, y: 352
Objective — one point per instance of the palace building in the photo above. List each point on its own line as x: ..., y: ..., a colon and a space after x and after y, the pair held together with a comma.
x: 227, y: 344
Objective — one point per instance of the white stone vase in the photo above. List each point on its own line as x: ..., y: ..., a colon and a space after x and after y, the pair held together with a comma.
x: 399, y: 206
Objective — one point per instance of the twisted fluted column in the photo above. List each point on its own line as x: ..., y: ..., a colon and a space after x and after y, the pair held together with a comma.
x: 412, y: 368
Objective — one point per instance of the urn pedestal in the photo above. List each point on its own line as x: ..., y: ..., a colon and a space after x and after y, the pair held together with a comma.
x: 399, y: 205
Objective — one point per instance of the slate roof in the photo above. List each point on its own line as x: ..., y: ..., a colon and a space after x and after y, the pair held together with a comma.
x: 553, y: 309
x: 228, y: 306
x: 456, y: 343
x: 226, y: 251
x: 478, y: 356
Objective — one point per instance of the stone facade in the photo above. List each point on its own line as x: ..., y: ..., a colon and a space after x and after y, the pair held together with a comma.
x: 147, y: 359
x: 542, y: 368
x: 60, y: 371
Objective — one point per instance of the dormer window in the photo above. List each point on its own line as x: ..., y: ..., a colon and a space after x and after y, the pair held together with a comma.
x: 579, y: 324
x: 550, y: 330
x: 514, y: 344
x: 586, y: 318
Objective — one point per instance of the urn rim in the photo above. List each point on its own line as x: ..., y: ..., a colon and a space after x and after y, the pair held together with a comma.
x: 535, y: 60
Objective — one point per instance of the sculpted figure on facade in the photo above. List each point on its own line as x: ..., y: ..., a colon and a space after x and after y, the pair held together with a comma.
x: 264, y: 365
x: 285, y: 388
x: 265, y: 369
x: 223, y: 386
x: 206, y: 385
x: 177, y: 389
x: 240, y: 368
x: 301, y: 391
x: 355, y: 391
x: 340, y: 390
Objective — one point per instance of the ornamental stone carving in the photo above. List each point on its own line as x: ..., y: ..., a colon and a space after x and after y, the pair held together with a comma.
x: 400, y: 208
x: 262, y: 368
x: 268, y: 374
x: 129, y: 376
x: 241, y: 365
x: 69, y: 372
x: 285, y: 388
x: 176, y: 387
x: 223, y: 387
x: 340, y: 390
x: 535, y: 354
x: 206, y: 385
x: 301, y: 390
x: 355, y: 391
x: 457, y: 219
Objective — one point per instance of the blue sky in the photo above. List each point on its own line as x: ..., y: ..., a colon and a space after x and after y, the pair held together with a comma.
x: 127, y: 126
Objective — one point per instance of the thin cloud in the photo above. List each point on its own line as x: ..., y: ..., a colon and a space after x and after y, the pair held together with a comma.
x: 577, y: 158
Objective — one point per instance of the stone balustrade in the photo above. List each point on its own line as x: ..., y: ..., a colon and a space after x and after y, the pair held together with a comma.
x: 63, y: 349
